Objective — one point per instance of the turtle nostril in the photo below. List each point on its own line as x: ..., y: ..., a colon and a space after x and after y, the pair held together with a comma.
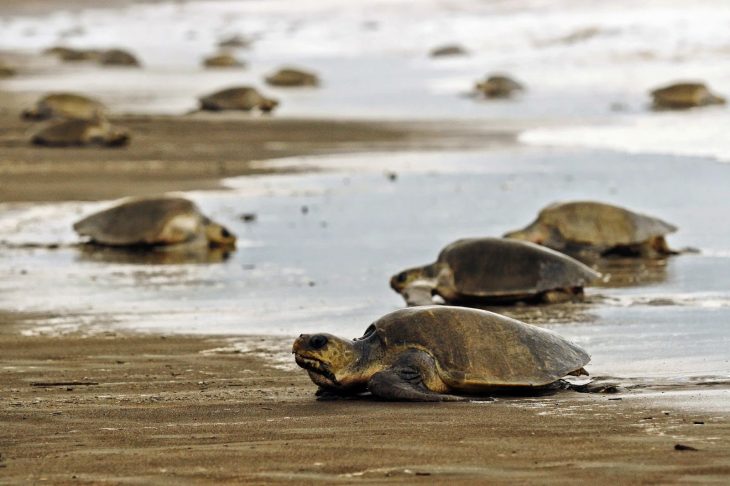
x: 317, y: 341
x: 225, y: 233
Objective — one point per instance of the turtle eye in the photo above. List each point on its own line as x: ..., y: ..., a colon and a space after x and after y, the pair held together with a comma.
x: 317, y: 341
x: 225, y: 233
x: 401, y: 277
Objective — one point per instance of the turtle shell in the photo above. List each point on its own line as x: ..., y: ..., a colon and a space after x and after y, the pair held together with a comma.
x: 73, y: 132
x: 66, y: 105
x: 147, y: 221
x: 494, y: 267
x: 476, y: 349
x: 243, y: 98
x: 292, y: 77
x: 599, y: 224
x: 685, y: 95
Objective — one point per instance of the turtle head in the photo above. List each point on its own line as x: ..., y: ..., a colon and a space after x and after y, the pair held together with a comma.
x: 117, y: 137
x: 218, y: 235
x: 268, y: 105
x: 534, y: 233
x: 31, y: 114
x: 328, y: 359
x: 413, y: 276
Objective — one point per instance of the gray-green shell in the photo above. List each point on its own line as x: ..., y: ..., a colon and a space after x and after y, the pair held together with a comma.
x: 600, y: 224
x: 495, y: 267
x: 143, y: 222
x: 476, y: 349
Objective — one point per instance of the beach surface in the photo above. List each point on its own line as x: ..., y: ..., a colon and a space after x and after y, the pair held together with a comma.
x: 130, y: 408
x: 119, y: 369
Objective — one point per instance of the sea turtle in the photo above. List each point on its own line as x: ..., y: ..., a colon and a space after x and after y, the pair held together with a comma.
x: 684, y: 95
x: 6, y: 71
x: 65, y: 105
x: 68, y: 54
x: 241, y: 98
x: 495, y: 271
x: 222, y: 60
x: 589, y: 229
x: 235, y: 41
x: 498, y: 86
x: 154, y: 222
x: 66, y: 133
x: 118, y: 57
x: 291, y: 77
x: 433, y: 353
x: 448, y: 51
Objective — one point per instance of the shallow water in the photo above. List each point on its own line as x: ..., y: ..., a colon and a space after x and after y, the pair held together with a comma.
x: 326, y: 268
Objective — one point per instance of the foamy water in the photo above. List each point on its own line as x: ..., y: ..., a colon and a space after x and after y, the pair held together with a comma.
x: 580, y: 60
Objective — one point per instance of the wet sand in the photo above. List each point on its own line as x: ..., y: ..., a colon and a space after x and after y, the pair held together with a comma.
x: 193, y: 152
x: 150, y: 408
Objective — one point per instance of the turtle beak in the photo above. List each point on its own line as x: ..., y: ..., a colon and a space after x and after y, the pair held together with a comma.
x: 299, y: 343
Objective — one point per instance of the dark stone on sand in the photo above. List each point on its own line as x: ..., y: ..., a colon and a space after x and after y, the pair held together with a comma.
x: 682, y: 447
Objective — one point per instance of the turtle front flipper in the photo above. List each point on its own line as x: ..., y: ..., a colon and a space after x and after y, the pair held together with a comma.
x: 412, y: 378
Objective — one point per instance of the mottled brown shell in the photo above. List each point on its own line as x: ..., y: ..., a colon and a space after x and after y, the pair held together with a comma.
x: 240, y: 98
x: 65, y: 105
x: 599, y: 224
x: 143, y: 222
x: 685, y: 95
x: 290, y: 77
x: 493, y: 267
x: 475, y: 349
x: 75, y: 132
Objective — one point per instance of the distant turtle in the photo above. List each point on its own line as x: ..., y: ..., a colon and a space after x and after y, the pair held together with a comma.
x: 6, y: 71
x: 156, y: 221
x: 684, y: 95
x: 448, y: 51
x: 68, y: 54
x: 235, y: 41
x: 118, y: 57
x: 72, y: 132
x: 241, y: 98
x: 222, y: 60
x: 495, y: 271
x: 65, y: 105
x: 498, y: 86
x: 433, y: 353
x: 588, y: 229
x: 290, y: 77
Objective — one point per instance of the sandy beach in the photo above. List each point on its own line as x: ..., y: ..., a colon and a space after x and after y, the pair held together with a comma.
x: 116, y: 408
x: 110, y: 372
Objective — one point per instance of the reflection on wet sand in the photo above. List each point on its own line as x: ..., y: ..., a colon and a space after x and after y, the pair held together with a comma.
x: 154, y: 256
x: 630, y: 272
x: 566, y: 313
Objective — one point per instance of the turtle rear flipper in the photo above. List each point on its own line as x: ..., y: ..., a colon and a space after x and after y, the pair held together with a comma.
x: 409, y: 379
